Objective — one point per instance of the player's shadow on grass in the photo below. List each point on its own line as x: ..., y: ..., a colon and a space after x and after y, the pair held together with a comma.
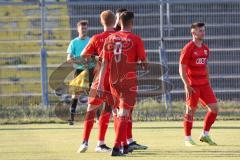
x: 143, y: 154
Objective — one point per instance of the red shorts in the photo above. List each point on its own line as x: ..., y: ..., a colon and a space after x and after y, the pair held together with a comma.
x: 204, y: 94
x: 93, y: 97
x: 125, y: 93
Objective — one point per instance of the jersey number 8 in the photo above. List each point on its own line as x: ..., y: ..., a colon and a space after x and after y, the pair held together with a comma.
x: 117, y: 51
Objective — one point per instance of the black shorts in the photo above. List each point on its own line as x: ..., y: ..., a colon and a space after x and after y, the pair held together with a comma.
x: 91, y: 74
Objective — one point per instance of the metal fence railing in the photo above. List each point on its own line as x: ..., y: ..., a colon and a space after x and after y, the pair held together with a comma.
x: 20, y: 41
x: 222, y: 37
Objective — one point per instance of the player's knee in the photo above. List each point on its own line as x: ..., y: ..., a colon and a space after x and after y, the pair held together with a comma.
x: 213, y: 108
x: 190, y: 110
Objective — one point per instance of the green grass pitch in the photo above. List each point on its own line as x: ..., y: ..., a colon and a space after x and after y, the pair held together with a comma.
x: 165, y: 141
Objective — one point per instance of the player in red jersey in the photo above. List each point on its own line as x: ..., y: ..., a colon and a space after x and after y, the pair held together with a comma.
x: 132, y: 144
x: 94, y: 48
x: 122, y: 50
x: 195, y: 76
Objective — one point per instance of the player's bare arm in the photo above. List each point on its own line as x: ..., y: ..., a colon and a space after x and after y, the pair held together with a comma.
x: 69, y: 58
x: 208, y: 77
x: 182, y: 71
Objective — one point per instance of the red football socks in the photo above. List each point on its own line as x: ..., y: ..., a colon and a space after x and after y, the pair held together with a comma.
x: 103, y: 124
x: 209, y: 120
x: 88, y: 124
x: 120, y: 131
x: 188, y: 123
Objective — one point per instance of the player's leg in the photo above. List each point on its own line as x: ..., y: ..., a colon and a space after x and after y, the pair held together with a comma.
x: 94, y: 103
x: 123, y: 115
x: 115, y: 118
x: 104, y: 119
x: 74, y: 101
x: 210, y: 117
x: 113, y: 99
x: 73, y: 109
x: 103, y: 125
x: 87, y: 127
x: 133, y: 144
x: 191, y: 107
x: 126, y: 103
x: 188, y: 124
x: 208, y: 99
x: 129, y: 129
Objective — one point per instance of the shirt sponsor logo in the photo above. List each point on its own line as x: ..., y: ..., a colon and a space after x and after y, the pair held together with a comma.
x: 201, y: 61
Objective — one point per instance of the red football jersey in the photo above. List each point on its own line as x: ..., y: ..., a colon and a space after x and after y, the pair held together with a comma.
x: 123, y: 50
x: 95, y: 46
x: 195, y: 58
x: 96, y: 43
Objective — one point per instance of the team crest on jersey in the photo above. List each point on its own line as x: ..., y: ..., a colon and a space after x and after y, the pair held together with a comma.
x: 195, y: 52
x: 205, y: 52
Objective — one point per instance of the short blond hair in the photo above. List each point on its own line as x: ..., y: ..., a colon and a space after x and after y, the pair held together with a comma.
x: 107, y: 17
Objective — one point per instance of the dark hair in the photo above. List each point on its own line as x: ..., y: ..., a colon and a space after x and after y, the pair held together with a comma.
x: 82, y: 23
x: 197, y: 25
x: 120, y: 10
x: 126, y: 17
